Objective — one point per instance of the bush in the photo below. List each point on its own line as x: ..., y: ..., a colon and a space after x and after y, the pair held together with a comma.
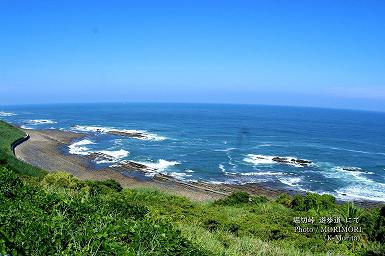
x: 211, y: 225
x: 10, y: 183
x: 62, y: 180
x: 259, y: 199
x: 376, y: 250
x: 160, y: 238
x: 284, y: 199
x: 112, y: 184
x: 126, y: 209
x: 298, y: 203
x: 234, y: 199
x: 380, y: 226
x: 313, y: 201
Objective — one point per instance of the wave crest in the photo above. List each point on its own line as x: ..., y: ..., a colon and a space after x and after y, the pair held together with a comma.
x: 41, y: 121
x: 267, y: 160
x: 101, y: 156
x: 3, y: 113
x: 137, y: 134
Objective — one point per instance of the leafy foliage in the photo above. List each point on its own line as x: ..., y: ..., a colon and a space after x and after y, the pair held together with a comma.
x: 313, y: 201
x: 235, y: 198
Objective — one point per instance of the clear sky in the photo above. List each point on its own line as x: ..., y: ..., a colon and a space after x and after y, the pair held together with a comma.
x: 304, y: 53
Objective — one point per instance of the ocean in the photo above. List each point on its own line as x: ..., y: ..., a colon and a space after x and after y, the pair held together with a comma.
x: 339, y: 152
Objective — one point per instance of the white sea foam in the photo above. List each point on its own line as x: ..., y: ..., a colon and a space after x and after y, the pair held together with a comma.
x: 290, y: 181
x: 360, y: 187
x: 224, y: 150
x: 259, y: 159
x: 268, y: 160
x: 26, y: 127
x: 264, y: 145
x: 214, y: 182
x: 223, y: 169
x: 179, y: 175
x: 261, y: 173
x: 144, y: 135
x: 116, y: 155
x: 372, y: 192
x: 3, y: 113
x: 189, y: 170
x: 248, y: 180
x: 353, y: 174
x: 161, y: 165
x: 79, y: 148
x: 41, y: 121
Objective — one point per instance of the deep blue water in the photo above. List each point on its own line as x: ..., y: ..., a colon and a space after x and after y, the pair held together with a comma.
x: 233, y: 143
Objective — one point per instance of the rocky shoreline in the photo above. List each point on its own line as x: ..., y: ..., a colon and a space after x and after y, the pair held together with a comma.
x: 43, y: 149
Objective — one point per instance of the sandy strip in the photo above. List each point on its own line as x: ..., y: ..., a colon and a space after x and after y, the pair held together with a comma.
x: 45, y: 149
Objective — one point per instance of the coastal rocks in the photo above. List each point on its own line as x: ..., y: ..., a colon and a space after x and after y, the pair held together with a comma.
x: 132, y: 134
x: 100, y: 157
x: 134, y: 166
x: 292, y: 161
x: 136, y: 134
x: 264, y: 159
x: 351, y: 169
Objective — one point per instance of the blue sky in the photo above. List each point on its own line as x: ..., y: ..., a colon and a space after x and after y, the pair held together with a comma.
x: 304, y: 53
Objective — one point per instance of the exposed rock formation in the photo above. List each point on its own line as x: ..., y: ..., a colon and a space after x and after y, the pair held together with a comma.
x: 285, y: 160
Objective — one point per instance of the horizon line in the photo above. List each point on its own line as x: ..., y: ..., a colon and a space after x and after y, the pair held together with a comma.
x: 194, y: 103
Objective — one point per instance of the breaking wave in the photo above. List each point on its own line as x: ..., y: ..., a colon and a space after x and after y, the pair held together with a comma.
x: 79, y: 148
x: 41, y: 121
x: 372, y: 192
x: 161, y: 165
x: 259, y: 159
x: 268, y: 160
x: 106, y: 156
x: 26, y: 127
x: 137, y: 134
x: 116, y: 156
x: 290, y: 181
x: 3, y: 113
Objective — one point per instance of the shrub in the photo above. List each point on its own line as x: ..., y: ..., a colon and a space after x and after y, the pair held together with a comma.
x: 211, y: 225
x: 61, y: 179
x: 375, y: 250
x: 234, y: 199
x: 95, y: 188
x: 126, y: 209
x: 233, y: 228
x: 380, y: 226
x: 313, y: 201
x: 10, y: 183
x: 259, y: 199
x: 160, y: 238
x: 326, y: 201
x: 276, y: 234
x: 297, y: 203
x: 113, y: 184
x: 284, y: 199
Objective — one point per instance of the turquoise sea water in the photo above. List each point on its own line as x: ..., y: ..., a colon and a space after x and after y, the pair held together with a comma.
x: 230, y: 143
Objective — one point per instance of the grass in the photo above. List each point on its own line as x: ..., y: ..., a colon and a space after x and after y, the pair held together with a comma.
x: 57, y: 214
x: 8, y: 135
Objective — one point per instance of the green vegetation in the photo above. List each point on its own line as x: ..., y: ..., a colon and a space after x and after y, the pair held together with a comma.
x: 57, y: 214
x: 8, y: 135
